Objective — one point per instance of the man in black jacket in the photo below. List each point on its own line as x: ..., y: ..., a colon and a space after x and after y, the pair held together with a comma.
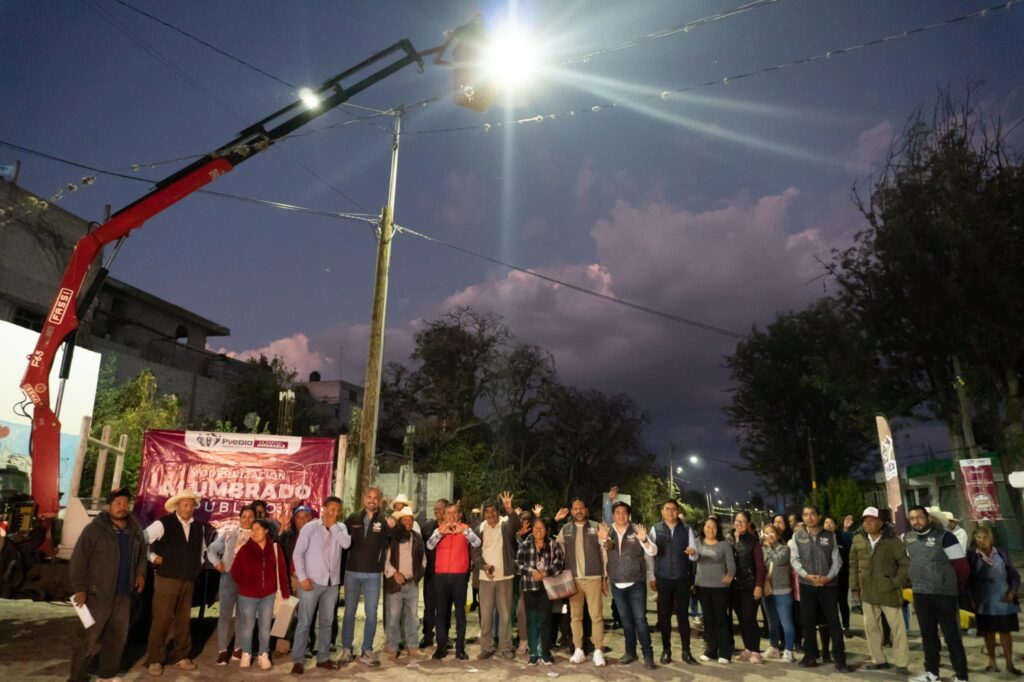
x: 108, y: 563
x: 364, y: 573
x: 429, y: 614
x: 177, y: 543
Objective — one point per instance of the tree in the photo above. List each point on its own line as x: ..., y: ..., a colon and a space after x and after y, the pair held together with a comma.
x: 257, y: 391
x: 841, y: 496
x: 130, y: 408
x: 456, y: 356
x: 591, y: 441
x: 808, y: 383
x: 937, y: 274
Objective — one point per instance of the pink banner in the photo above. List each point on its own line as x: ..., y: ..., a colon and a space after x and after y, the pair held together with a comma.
x: 230, y: 470
x: 980, y: 489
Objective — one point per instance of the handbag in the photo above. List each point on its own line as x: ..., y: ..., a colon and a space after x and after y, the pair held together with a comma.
x: 561, y: 585
x: 768, y: 579
x: 284, y: 609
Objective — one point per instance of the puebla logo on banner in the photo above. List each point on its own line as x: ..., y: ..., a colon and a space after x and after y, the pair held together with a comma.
x: 211, y: 441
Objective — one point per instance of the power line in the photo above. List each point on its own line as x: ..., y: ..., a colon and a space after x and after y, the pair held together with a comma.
x: 206, y: 44
x: 665, y: 95
x: 198, y: 86
x: 657, y: 35
x: 583, y: 290
x: 360, y: 217
x: 372, y: 220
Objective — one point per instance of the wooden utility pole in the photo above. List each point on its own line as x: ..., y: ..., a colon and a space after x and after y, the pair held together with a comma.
x: 375, y: 356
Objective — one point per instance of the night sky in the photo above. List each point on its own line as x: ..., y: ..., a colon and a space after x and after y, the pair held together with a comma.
x: 713, y: 204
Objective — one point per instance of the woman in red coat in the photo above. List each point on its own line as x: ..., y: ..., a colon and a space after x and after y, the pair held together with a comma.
x: 259, y: 571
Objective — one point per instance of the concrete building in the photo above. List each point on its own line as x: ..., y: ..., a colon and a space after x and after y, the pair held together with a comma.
x: 140, y: 329
x: 333, y: 401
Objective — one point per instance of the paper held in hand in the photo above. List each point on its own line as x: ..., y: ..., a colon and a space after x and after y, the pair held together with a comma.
x: 84, y: 615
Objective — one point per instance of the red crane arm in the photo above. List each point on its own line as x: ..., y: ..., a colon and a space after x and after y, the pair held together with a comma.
x: 62, y: 319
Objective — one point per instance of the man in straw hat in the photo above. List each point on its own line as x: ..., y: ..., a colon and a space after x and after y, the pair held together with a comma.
x: 404, y: 566
x: 954, y: 527
x: 400, y: 503
x: 177, y: 543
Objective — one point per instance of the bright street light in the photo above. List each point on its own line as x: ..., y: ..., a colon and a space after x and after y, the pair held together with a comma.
x: 679, y: 470
x: 309, y: 98
x: 717, y: 489
x: 510, y: 59
x: 694, y: 459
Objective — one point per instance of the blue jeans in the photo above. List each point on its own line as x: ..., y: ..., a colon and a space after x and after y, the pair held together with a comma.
x: 782, y: 632
x: 367, y: 585
x: 248, y: 608
x: 632, y: 605
x: 324, y: 600
x: 228, y: 597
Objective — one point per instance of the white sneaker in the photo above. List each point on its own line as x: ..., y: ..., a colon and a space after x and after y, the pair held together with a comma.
x: 924, y: 677
x: 578, y: 656
x: 704, y: 658
x: 724, y: 661
x: 787, y: 656
x: 598, y: 657
x: 264, y: 661
x: 771, y: 653
x: 957, y: 679
x: 246, y: 661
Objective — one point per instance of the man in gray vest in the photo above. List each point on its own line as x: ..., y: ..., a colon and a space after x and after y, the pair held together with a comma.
x: 582, y: 550
x: 177, y: 543
x: 814, y: 555
x: 938, y: 569
x: 671, y: 574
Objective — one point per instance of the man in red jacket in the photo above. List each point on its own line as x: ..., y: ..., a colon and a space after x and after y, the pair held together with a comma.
x: 452, y: 541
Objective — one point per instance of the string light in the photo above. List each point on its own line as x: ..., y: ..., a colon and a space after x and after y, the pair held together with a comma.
x: 665, y: 95
x: 685, y: 28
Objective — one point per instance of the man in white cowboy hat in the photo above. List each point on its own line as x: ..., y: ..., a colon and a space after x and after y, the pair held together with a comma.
x: 400, y: 503
x: 954, y: 527
x: 177, y: 543
x: 404, y: 566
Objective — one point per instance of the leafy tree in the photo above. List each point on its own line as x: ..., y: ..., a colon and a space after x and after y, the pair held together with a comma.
x: 130, y: 408
x: 456, y: 358
x: 591, y: 441
x: 809, y: 377
x: 937, y: 274
x: 841, y: 496
x: 257, y: 391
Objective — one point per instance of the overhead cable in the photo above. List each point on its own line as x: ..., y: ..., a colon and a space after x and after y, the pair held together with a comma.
x: 666, y: 95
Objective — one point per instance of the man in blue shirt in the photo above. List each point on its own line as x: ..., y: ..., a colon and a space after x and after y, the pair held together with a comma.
x: 317, y: 559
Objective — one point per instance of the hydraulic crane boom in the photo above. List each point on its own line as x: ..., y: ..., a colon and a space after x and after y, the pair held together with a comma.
x: 71, y: 303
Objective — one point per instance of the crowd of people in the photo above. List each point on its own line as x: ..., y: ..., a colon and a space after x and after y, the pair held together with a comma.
x: 536, y: 578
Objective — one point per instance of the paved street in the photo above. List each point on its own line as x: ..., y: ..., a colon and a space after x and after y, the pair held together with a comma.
x: 35, y: 639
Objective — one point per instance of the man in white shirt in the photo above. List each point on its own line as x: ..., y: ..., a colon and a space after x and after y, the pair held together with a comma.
x: 494, y: 559
x: 177, y: 543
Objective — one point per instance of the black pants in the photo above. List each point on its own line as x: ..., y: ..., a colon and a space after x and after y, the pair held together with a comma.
x: 843, y: 597
x: 428, y: 609
x: 674, y: 599
x: 811, y: 598
x: 745, y: 607
x: 934, y: 612
x: 714, y: 602
x: 450, y: 591
x: 106, y: 638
